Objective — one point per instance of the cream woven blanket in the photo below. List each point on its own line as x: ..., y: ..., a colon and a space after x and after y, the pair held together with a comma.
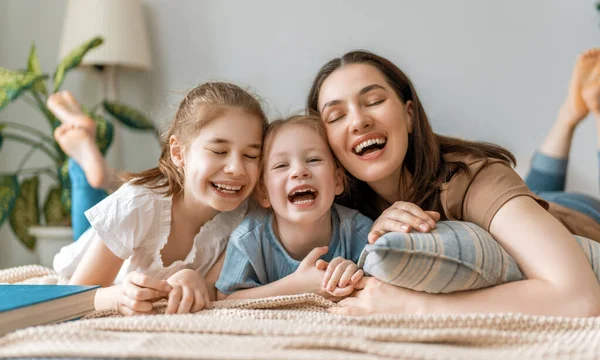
x: 298, y: 327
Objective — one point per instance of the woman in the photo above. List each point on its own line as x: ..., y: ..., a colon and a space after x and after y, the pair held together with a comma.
x: 407, y: 178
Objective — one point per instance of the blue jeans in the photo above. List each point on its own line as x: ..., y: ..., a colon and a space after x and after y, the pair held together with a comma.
x: 83, y: 197
x: 547, y: 178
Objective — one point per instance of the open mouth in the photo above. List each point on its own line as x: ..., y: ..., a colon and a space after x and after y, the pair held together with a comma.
x: 227, y: 189
x: 303, y: 196
x: 370, y: 146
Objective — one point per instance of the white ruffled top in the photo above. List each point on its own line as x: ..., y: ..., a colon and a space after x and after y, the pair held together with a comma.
x: 135, y: 222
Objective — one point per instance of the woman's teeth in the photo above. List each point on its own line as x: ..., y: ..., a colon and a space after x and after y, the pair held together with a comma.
x: 302, y: 202
x: 359, y: 148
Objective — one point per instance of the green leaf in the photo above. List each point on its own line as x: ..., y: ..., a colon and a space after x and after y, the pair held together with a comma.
x: 3, y: 99
x: 9, y: 189
x: 105, y: 131
x: 73, y: 59
x: 1, y: 141
x: 33, y: 66
x: 128, y: 116
x: 14, y: 83
x: 25, y: 212
x: 54, y: 210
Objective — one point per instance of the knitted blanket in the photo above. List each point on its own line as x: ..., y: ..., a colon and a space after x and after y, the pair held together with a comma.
x: 298, y: 327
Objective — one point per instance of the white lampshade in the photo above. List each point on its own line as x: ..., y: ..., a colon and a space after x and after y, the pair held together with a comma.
x: 119, y: 22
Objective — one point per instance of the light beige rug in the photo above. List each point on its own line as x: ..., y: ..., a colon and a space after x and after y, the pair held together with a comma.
x: 298, y: 327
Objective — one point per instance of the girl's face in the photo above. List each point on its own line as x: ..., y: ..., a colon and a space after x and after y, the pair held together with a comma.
x: 221, y: 164
x: 367, y: 124
x: 300, y: 175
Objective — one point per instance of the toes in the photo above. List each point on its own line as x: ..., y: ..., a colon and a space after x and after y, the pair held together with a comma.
x: 71, y: 102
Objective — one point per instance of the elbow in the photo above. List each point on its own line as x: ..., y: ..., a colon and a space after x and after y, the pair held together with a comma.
x: 589, y: 307
x: 584, y: 304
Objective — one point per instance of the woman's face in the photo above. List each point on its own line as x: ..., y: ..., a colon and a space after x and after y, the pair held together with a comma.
x: 367, y: 124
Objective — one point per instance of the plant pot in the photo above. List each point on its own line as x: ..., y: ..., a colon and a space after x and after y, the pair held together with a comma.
x: 50, y: 239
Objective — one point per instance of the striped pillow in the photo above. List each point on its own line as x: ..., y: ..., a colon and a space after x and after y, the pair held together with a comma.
x: 455, y: 256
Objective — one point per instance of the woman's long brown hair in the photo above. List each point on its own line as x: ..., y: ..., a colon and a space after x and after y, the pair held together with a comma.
x: 201, y: 105
x: 425, y: 154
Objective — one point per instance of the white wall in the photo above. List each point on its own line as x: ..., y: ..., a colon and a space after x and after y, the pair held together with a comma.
x: 494, y: 71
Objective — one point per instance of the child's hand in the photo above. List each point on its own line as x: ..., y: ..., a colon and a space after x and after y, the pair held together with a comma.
x: 189, y: 293
x: 341, y: 276
x: 138, y: 292
x: 308, y: 278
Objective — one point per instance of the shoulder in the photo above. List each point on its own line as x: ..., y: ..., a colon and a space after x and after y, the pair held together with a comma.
x: 133, y: 193
x: 472, y: 161
x: 477, y: 168
x: 127, y: 199
x: 252, y: 226
x: 477, y: 194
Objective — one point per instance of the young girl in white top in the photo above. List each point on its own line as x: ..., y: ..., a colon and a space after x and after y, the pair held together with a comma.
x: 166, y: 227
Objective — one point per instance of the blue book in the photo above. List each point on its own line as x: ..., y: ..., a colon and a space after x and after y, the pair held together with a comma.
x: 29, y: 305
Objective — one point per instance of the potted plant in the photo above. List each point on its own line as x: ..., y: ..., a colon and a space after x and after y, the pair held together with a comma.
x: 19, y: 189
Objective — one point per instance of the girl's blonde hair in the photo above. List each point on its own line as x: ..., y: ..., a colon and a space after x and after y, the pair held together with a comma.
x: 275, y: 127
x: 201, y: 105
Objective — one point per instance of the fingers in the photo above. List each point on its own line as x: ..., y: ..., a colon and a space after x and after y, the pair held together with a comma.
x: 141, y: 294
x: 355, y: 278
x: 412, y: 216
x: 174, y: 298
x: 374, y: 235
x: 347, y: 283
x: 129, y: 305
x: 403, y: 217
x: 137, y: 306
x: 184, y: 300
x: 187, y: 300
x: 321, y: 264
x: 434, y: 215
x: 314, y: 255
x: 342, y: 292
x: 331, y: 268
x: 201, y: 301
x: 347, y: 274
x: 146, y: 281
x: 403, y: 221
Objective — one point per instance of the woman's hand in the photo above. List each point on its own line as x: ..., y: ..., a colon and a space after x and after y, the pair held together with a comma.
x: 402, y: 217
x: 189, y: 293
x: 137, y: 293
x: 341, y: 274
x: 373, y: 296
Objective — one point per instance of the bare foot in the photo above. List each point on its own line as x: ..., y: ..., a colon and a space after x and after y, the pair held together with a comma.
x: 590, y: 91
x: 583, y: 73
x: 66, y: 108
x: 78, y: 144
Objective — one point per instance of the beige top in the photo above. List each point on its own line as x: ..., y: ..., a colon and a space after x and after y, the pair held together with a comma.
x: 476, y: 197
